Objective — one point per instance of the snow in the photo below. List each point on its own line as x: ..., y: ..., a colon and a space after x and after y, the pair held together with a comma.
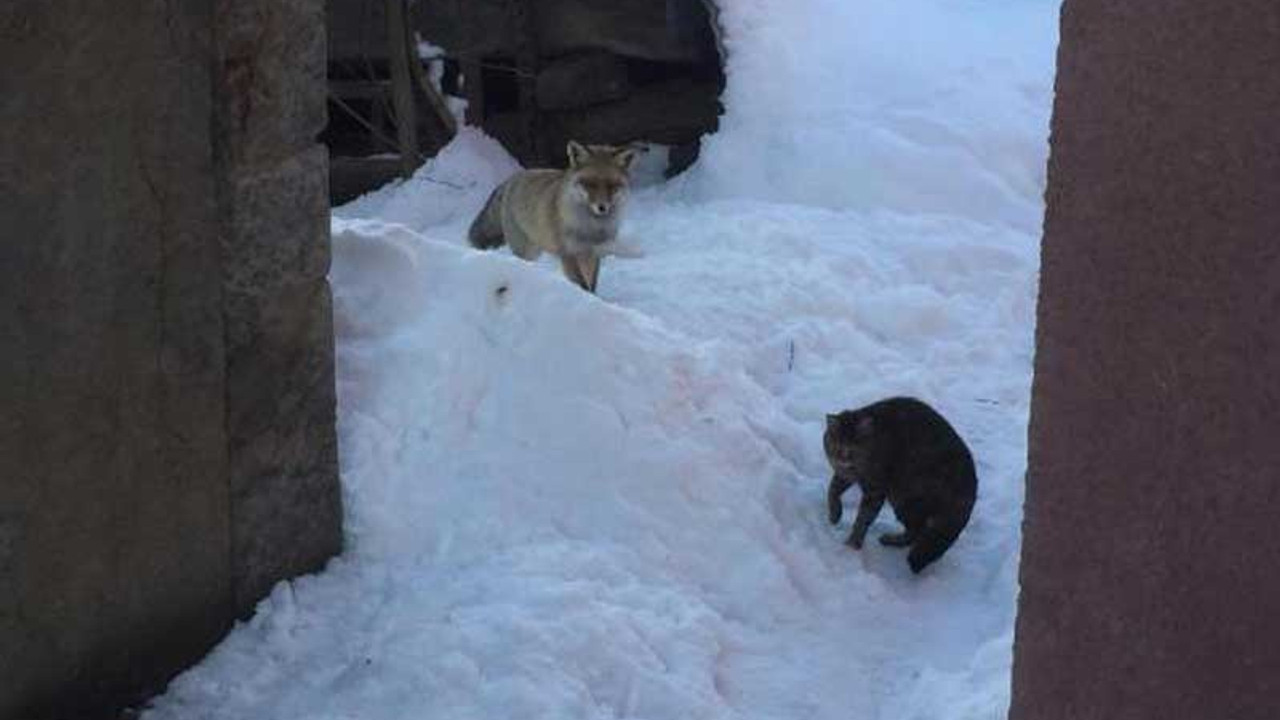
x: 566, y: 506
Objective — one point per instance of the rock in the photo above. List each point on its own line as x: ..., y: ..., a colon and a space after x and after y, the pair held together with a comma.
x: 675, y: 112
x: 581, y: 80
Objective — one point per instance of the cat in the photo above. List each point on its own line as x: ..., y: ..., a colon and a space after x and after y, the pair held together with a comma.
x: 903, y: 451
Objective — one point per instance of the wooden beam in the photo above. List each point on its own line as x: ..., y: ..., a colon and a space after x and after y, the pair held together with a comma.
x: 402, y: 85
x: 435, y: 100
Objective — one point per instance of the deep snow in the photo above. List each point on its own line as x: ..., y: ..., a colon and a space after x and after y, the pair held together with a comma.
x: 562, y: 506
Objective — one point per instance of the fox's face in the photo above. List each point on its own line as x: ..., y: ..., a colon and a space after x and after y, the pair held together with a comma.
x: 598, y: 177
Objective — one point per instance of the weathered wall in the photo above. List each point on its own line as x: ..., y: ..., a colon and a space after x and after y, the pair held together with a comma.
x: 273, y: 195
x: 166, y: 398
x: 1149, y: 583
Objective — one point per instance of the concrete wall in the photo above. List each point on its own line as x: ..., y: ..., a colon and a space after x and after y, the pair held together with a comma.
x: 166, y: 389
x: 1150, y: 556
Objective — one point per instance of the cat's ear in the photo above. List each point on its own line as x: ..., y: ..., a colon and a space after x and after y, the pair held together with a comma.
x: 866, y: 424
x: 831, y: 419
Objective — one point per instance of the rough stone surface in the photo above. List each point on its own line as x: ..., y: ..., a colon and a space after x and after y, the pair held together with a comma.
x: 271, y: 79
x: 286, y: 502
x: 286, y: 514
x: 114, y: 542
x: 1148, y: 569
x: 166, y: 383
x: 277, y: 217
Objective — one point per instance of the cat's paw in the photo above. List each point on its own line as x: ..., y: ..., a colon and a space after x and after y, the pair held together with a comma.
x: 854, y: 542
x: 895, y: 539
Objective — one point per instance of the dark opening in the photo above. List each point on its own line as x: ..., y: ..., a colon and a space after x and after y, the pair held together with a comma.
x: 649, y: 73
x: 501, y: 84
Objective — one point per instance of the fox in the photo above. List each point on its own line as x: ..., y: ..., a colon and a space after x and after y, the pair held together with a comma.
x: 573, y: 213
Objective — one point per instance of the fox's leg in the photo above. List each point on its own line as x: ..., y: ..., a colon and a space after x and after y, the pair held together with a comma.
x: 573, y: 272
x: 867, y: 511
x: 835, y: 491
x: 520, y: 244
x: 589, y: 265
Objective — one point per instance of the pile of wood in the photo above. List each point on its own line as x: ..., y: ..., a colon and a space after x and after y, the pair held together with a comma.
x: 622, y: 71
x: 386, y: 116
x: 535, y: 73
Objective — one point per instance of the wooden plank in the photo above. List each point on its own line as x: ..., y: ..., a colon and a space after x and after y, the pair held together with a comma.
x: 435, y: 101
x: 402, y: 85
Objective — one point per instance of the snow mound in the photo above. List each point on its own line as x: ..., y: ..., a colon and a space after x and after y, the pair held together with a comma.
x: 935, y: 106
x: 562, y: 507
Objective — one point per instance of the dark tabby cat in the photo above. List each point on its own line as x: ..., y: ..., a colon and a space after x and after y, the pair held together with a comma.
x: 902, y: 450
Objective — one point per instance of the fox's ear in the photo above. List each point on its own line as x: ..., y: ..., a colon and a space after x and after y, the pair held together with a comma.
x: 577, y: 154
x: 627, y: 155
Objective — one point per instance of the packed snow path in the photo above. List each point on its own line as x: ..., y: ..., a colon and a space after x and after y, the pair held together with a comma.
x: 564, y: 506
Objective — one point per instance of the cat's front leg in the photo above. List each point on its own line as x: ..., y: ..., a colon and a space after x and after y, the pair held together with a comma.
x: 834, y: 492
x: 868, y: 509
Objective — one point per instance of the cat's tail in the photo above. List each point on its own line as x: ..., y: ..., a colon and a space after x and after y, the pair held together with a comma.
x: 486, y: 229
x: 938, y: 535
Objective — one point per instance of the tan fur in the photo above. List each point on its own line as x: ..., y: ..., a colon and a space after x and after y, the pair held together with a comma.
x: 573, y: 214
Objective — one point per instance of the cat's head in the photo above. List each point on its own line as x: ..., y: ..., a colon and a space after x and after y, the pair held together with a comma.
x: 848, y: 440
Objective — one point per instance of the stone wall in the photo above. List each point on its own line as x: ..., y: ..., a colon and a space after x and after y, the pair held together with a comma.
x: 166, y: 385
x: 1149, y: 584
x: 269, y: 107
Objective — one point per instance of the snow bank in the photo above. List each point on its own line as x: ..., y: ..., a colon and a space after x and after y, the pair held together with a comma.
x: 937, y: 106
x: 564, y: 506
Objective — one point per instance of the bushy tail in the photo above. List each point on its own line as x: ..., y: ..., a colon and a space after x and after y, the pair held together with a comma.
x: 486, y: 229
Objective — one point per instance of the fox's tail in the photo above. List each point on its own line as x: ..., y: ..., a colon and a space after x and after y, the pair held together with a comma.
x: 486, y: 229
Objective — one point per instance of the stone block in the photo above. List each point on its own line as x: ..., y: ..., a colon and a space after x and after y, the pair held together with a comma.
x: 270, y: 78
x: 278, y: 223
x: 286, y: 502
